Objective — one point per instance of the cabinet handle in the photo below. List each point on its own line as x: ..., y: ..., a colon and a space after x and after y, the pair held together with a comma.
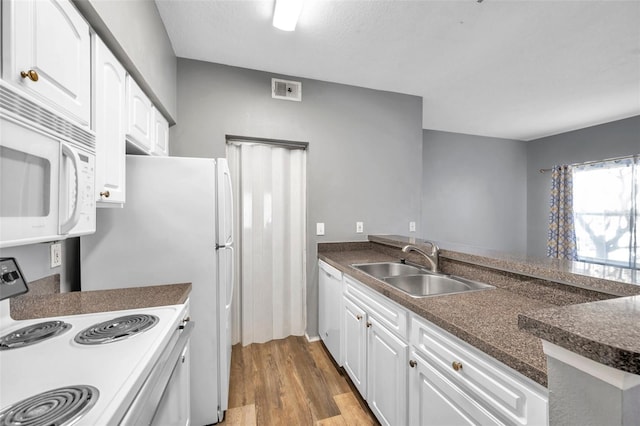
x: 412, y: 363
x: 368, y: 324
x: 456, y: 365
x: 31, y: 74
x: 105, y: 194
x: 358, y: 317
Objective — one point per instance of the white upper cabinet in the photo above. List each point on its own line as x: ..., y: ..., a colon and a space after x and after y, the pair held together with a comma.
x: 140, y: 117
x: 160, y: 134
x: 47, y: 53
x: 109, y: 123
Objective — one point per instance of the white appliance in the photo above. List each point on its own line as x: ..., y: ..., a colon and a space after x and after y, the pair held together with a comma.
x: 46, y: 174
x: 175, y: 227
x: 120, y: 367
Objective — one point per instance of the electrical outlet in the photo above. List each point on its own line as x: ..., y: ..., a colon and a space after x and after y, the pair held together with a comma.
x: 56, y: 255
x: 412, y: 227
x: 320, y: 228
x: 359, y: 227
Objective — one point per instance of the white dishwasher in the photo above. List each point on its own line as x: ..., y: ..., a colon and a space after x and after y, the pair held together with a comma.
x: 330, y: 308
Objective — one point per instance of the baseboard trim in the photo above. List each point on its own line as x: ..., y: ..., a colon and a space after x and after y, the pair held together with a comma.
x: 311, y: 339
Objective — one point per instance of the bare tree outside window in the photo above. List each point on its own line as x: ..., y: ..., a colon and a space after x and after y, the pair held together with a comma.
x: 606, y: 200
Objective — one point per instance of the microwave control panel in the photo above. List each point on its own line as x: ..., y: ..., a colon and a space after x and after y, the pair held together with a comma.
x: 12, y: 281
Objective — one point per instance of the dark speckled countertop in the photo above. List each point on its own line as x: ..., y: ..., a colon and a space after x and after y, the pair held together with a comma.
x: 488, y: 320
x: 607, y: 331
x: 40, y: 304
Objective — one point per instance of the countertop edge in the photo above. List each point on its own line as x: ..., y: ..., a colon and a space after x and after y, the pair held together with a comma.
x: 556, y: 332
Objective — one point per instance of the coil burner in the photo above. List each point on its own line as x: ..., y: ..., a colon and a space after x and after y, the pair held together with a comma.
x: 57, y: 407
x: 116, y: 329
x: 32, y: 334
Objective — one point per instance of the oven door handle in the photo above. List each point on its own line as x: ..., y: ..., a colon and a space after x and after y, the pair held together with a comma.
x: 143, y: 409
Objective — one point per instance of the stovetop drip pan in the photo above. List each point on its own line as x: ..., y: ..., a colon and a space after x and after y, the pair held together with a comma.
x: 33, y: 334
x: 116, y: 329
x: 57, y: 407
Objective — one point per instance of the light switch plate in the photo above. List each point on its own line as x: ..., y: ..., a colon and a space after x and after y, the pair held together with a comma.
x: 359, y: 227
x: 320, y: 228
x: 412, y: 227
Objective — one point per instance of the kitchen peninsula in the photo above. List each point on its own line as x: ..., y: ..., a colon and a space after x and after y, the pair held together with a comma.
x: 586, y: 310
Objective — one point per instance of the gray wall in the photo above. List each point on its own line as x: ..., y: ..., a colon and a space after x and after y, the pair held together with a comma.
x: 474, y: 190
x: 609, y: 140
x: 34, y: 262
x: 365, y: 147
x: 135, y: 33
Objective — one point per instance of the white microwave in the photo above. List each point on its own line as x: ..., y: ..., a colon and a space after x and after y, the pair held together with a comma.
x: 47, y: 174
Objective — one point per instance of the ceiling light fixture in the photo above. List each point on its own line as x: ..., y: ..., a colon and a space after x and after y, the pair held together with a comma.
x: 286, y: 13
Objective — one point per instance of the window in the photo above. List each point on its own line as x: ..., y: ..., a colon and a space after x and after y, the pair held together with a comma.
x: 606, y: 198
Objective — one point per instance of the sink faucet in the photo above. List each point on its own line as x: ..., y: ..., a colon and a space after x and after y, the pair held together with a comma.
x: 432, y: 257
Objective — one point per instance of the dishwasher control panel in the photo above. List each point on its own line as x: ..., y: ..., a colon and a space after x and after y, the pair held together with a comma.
x: 12, y: 282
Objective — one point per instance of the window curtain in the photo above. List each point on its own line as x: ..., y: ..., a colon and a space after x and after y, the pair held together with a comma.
x: 561, y: 242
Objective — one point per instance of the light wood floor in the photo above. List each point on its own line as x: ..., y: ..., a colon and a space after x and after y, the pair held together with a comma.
x: 291, y: 382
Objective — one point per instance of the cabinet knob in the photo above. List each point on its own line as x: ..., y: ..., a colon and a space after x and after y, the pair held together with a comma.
x: 358, y: 317
x: 31, y: 74
x: 456, y: 365
x: 412, y: 363
x: 105, y: 194
x: 368, y: 324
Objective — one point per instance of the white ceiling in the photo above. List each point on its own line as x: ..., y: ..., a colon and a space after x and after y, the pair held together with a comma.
x: 518, y: 69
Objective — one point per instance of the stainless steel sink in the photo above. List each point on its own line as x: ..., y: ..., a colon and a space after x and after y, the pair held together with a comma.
x: 417, y: 281
x: 382, y: 270
x: 430, y: 285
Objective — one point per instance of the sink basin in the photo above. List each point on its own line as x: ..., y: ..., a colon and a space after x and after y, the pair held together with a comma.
x: 431, y: 285
x: 382, y: 270
x: 417, y: 281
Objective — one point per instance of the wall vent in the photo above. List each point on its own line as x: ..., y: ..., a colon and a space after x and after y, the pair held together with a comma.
x: 285, y: 89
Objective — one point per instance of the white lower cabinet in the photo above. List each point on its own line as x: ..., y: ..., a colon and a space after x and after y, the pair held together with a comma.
x: 386, y: 374
x: 412, y: 372
x: 355, y: 345
x: 375, y: 358
x: 435, y: 400
x: 453, y: 383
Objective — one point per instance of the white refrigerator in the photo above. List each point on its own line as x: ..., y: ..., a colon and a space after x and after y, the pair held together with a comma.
x: 175, y: 227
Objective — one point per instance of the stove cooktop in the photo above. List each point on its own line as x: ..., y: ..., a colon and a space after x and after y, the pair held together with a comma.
x: 105, y: 376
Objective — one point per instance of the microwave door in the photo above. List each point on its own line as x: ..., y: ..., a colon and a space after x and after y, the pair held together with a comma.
x: 70, y: 189
x: 29, y: 179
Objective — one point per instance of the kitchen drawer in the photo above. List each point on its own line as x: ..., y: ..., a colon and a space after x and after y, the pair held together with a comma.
x: 391, y: 315
x: 501, y: 390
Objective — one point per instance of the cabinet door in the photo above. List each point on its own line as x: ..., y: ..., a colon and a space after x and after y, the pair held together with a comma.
x: 140, y: 117
x: 161, y: 134
x: 387, y: 374
x: 355, y: 345
x: 109, y: 116
x: 434, y: 400
x: 50, y: 39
